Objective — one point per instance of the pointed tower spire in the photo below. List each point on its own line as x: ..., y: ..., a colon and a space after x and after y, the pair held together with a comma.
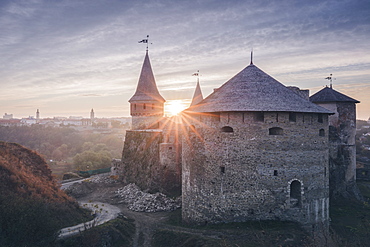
x: 147, y: 103
x: 147, y: 87
x: 198, y: 96
x: 251, y: 57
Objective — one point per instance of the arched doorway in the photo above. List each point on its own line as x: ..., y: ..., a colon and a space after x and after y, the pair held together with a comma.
x: 295, y: 194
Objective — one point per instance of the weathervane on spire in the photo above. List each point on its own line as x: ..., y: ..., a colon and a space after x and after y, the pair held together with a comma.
x: 196, y: 74
x: 145, y: 41
x: 330, y: 78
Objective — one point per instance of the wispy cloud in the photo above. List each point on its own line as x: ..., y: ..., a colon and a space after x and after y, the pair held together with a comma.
x: 88, y: 49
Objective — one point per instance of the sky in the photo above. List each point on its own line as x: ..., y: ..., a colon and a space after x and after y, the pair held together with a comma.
x: 66, y: 57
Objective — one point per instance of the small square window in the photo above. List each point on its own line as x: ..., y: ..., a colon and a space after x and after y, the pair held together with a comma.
x: 320, y: 118
x: 259, y: 117
x: 292, y: 117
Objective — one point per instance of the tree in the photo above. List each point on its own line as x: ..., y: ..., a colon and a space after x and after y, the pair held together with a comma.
x: 89, y: 160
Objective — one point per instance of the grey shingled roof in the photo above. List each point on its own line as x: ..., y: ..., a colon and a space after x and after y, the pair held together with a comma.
x: 147, y: 88
x: 198, y: 96
x: 254, y: 90
x: 328, y: 94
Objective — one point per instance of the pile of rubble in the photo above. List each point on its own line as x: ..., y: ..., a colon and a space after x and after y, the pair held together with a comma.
x: 144, y: 202
x: 105, y: 178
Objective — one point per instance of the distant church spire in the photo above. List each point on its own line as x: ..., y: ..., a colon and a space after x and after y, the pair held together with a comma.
x: 198, y: 96
x: 251, y: 57
x: 92, y: 114
x: 37, y: 114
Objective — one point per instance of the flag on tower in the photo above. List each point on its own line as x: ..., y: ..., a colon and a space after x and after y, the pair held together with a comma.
x: 145, y: 41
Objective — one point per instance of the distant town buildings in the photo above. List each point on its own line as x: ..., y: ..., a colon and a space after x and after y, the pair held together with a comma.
x: 73, y: 121
x: 8, y: 116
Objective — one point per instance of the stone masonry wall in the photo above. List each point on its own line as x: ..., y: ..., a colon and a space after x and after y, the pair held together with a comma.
x: 247, y: 174
x: 342, y: 127
x: 146, y: 122
x: 140, y: 158
x: 149, y: 163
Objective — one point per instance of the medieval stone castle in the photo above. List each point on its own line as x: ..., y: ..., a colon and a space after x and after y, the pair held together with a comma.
x: 254, y: 149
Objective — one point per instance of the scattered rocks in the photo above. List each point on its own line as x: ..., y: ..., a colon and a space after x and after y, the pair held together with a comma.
x: 144, y: 202
x: 105, y: 178
x: 87, y: 186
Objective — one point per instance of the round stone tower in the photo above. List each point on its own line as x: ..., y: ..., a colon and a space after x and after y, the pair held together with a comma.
x: 342, y: 131
x: 255, y: 150
x: 146, y: 105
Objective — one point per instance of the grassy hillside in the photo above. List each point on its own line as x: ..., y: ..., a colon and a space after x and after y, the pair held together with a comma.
x: 32, y: 207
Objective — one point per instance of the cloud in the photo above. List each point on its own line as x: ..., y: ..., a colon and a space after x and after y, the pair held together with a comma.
x: 90, y: 95
x: 59, y: 50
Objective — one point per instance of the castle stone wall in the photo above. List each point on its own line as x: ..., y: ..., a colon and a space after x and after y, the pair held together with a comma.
x: 140, y: 159
x: 248, y: 174
x: 342, y: 127
x: 146, y: 122
x: 151, y: 164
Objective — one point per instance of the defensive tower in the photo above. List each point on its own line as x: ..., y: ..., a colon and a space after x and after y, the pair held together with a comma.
x: 255, y: 150
x: 146, y: 105
x: 342, y: 131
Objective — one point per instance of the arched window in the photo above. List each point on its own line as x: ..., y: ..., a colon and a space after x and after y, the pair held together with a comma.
x: 321, y: 132
x: 144, y: 107
x: 295, y: 193
x: 134, y: 106
x: 227, y: 129
x: 275, y: 131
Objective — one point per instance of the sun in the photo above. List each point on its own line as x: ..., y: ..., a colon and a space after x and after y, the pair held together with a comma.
x: 174, y: 107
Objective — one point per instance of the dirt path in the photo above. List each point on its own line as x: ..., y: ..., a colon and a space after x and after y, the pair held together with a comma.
x: 145, y: 223
x: 104, y: 213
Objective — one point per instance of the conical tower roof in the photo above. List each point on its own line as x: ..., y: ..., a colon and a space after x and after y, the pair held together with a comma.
x: 147, y: 88
x: 328, y: 94
x: 198, y: 96
x: 254, y: 90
